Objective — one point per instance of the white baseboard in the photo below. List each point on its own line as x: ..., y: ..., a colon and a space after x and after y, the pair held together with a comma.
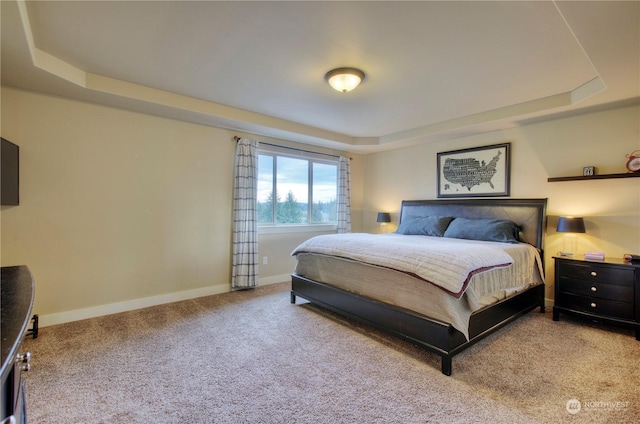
x: 275, y: 279
x: 130, y: 305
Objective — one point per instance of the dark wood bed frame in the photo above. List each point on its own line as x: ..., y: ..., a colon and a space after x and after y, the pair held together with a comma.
x: 431, y: 334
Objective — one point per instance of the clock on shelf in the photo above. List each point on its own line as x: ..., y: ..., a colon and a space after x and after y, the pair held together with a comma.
x: 588, y: 171
x: 633, y: 162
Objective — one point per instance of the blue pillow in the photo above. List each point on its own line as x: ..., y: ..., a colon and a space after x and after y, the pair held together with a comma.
x: 424, y: 225
x: 483, y: 229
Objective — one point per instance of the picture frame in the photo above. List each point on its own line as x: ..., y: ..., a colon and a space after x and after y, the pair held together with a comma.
x: 475, y: 172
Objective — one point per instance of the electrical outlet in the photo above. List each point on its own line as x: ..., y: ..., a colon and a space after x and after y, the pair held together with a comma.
x: 265, y: 260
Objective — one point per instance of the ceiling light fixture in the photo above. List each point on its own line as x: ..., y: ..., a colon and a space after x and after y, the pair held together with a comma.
x: 344, y: 79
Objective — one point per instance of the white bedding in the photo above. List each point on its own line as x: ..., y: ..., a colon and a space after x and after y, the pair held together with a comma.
x: 446, y: 262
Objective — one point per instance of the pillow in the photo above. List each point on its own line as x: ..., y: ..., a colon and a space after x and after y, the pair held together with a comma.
x: 424, y: 225
x: 483, y: 229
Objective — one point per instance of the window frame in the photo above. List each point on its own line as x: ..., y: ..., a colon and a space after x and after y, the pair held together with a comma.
x: 311, y: 158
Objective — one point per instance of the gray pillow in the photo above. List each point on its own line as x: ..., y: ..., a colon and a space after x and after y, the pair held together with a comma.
x: 424, y: 225
x: 483, y: 229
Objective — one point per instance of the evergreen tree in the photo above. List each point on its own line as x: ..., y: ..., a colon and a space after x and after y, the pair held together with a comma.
x: 265, y: 210
x: 317, y: 215
x: 289, y: 212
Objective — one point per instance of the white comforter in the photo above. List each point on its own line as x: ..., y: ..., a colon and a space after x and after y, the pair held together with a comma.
x: 445, y: 262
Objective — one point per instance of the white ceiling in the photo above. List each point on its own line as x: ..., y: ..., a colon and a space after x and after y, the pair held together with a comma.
x: 435, y: 70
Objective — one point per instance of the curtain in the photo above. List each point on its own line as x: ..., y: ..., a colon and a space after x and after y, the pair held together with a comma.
x: 244, y: 272
x: 344, y: 195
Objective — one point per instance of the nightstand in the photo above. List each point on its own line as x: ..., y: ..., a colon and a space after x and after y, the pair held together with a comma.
x: 607, y: 291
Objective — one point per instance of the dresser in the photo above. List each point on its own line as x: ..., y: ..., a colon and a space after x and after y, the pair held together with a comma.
x: 17, y: 290
x: 607, y: 291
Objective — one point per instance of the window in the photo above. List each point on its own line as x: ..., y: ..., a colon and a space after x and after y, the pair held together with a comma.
x: 296, y: 190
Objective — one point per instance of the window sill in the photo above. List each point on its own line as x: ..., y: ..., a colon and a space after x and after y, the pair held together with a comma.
x: 279, y: 229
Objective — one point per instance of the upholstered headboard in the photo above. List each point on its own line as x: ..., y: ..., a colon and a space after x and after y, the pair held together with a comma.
x: 529, y: 214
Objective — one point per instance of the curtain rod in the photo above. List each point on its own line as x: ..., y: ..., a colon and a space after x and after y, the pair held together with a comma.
x: 236, y: 138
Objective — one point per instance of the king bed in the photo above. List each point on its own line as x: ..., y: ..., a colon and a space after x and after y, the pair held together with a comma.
x: 454, y: 271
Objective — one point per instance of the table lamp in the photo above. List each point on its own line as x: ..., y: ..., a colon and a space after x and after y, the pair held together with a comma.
x: 570, y: 226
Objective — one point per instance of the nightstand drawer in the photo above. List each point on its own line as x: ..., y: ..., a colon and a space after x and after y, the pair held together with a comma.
x: 606, y: 308
x: 595, y: 272
x: 597, y: 290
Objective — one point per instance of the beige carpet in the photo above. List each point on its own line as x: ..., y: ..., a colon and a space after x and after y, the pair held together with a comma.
x: 252, y: 357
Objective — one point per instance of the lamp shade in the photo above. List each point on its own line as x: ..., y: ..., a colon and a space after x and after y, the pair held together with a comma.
x: 384, y: 217
x: 344, y: 79
x: 570, y: 225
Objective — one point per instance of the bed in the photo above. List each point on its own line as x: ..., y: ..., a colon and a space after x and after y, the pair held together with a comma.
x: 433, y: 308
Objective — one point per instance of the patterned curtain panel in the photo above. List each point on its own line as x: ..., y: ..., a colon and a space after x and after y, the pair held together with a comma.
x: 344, y: 195
x: 244, y: 273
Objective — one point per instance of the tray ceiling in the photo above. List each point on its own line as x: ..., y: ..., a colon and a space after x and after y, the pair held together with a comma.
x: 435, y: 70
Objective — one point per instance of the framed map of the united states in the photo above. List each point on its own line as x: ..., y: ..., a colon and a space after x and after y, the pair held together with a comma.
x: 478, y: 171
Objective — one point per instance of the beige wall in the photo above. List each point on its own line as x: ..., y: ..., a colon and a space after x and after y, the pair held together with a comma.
x: 555, y: 148
x: 120, y: 210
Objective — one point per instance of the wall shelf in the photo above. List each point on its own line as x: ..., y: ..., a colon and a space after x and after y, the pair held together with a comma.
x: 595, y: 177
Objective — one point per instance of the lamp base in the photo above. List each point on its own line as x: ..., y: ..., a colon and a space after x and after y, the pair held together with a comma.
x: 569, y: 244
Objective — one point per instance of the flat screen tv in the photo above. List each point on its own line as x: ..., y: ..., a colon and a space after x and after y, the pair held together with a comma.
x: 9, y: 173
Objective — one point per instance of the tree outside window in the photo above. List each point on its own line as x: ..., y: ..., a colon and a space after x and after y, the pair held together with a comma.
x: 296, y: 190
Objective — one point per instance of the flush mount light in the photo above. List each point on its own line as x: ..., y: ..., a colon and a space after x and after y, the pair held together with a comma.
x: 344, y: 79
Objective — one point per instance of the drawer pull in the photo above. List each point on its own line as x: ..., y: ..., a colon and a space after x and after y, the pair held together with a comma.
x: 23, y: 358
x: 594, y: 274
x: 24, y: 361
x: 594, y: 289
x: 593, y: 305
